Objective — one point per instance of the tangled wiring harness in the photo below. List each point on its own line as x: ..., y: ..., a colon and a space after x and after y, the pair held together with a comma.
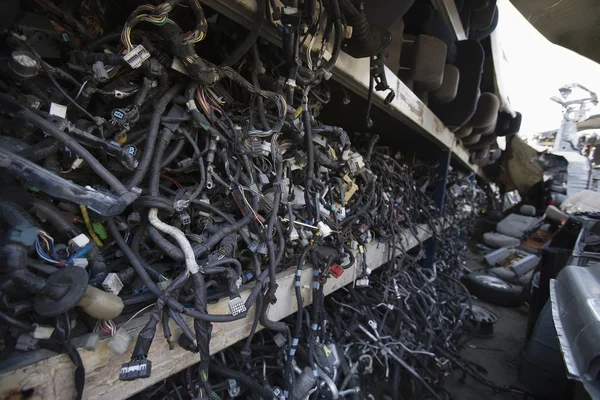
x: 152, y: 163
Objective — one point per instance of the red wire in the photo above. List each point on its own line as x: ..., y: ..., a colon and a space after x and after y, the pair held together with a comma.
x: 173, y: 181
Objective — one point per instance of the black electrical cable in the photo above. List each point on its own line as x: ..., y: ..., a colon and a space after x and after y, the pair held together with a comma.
x: 22, y: 112
x: 250, y: 39
x: 243, y: 379
x: 168, y: 159
x: 106, y: 58
x: 153, y: 127
x: 139, y: 268
x: 103, y: 40
x: 7, y: 319
x: 259, y: 100
x: 56, y: 84
x: 41, y: 150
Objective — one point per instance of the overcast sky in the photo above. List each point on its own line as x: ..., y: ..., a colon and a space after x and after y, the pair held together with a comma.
x: 532, y: 69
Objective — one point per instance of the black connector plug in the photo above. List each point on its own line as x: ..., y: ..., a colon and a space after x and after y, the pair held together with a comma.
x: 135, y: 369
x: 23, y: 235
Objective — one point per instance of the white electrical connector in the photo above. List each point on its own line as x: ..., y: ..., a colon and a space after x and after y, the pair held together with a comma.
x: 266, y: 148
x: 58, y: 109
x: 136, y: 56
x: 355, y: 162
x: 279, y: 340
x: 324, y: 210
x: 92, y: 341
x: 77, y: 163
x: 112, y: 283
x: 162, y: 285
x: 341, y: 214
x: 80, y: 262
x: 294, y: 234
x: 42, y: 332
x: 237, y: 306
x: 26, y: 342
x: 324, y: 229
x: 185, y: 218
x: 79, y: 241
x: 318, y: 139
x: 120, y: 342
x: 204, y: 213
x: 362, y: 282
x: 178, y: 66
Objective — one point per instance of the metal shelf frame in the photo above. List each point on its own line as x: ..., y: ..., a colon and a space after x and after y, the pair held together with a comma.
x: 450, y: 13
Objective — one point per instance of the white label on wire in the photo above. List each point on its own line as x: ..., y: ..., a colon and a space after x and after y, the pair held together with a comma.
x: 290, y: 10
x: 58, y: 109
x: 191, y: 105
x: 137, y: 56
x: 266, y: 147
x: 326, y: 55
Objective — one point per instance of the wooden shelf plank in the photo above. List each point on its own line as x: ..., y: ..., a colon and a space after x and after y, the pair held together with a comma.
x: 51, y: 376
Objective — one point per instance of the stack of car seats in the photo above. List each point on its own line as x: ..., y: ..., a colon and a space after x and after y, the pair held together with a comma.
x: 479, y: 17
x: 511, y: 229
x: 447, y: 74
x: 511, y: 269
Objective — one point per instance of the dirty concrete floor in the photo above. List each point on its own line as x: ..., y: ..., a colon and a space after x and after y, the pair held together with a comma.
x: 499, y: 355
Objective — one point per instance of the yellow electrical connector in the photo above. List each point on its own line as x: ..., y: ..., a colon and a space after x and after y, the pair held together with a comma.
x: 88, y: 225
x: 122, y: 139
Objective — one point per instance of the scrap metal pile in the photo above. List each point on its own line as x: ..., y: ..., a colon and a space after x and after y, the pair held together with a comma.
x: 147, y: 167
